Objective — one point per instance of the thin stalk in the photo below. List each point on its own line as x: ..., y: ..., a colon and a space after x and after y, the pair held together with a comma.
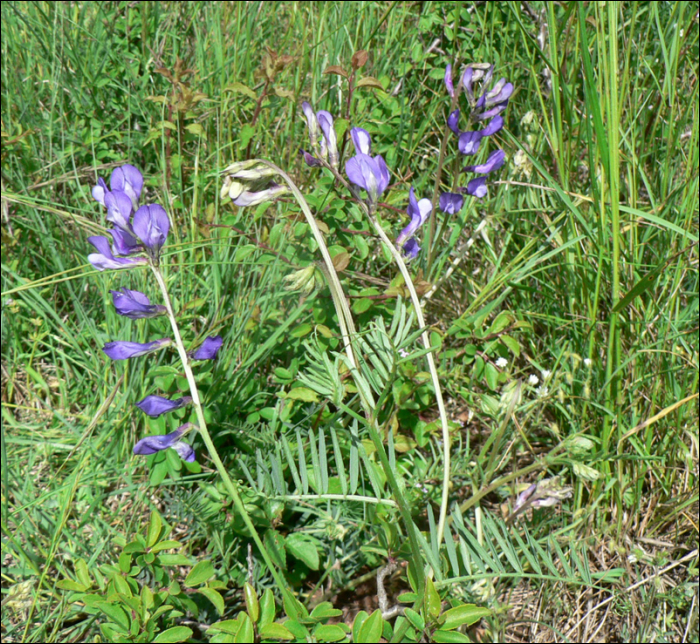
x: 408, y: 281
x: 206, y: 437
x: 348, y: 331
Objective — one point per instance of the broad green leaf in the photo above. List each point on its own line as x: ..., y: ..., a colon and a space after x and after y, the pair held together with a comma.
x: 174, y: 634
x: 267, y: 608
x: 229, y: 626
x: 251, y: 602
x: 82, y: 573
x: 329, y: 633
x: 199, y: 574
x: 116, y: 614
x: 246, y: 633
x: 466, y: 614
x: 371, y: 629
x: 303, y: 548
x: 359, y: 620
x: 165, y: 545
x: 275, y: 631
x: 415, y: 618
x: 431, y: 600
x: 302, y: 393
x: 69, y: 584
x: 214, y: 596
x: 447, y: 637
x: 155, y: 525
x: 325, y: 610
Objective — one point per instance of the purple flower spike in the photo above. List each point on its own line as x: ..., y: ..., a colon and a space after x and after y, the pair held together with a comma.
x: 118, y: 208
x: 325, y: 120
x: 448, y: 81
x: 362, y: 140
x: 151, y: 225
x: 496, y: 160
x: 411, y: 248
x: 135, y: 305
x: 155, y: 406
x: 312, y: 122
x: 477, y: 188
x: 153, y: 444
x: 125, y: 350
x: 419, y: 211
x: 208, y: 349
x: 453, y: 122
x: 105, y: 260
x: 451, y: 203
x: 129, y: 180
x: 469, y: 142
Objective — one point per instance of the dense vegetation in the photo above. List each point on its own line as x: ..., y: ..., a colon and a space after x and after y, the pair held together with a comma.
x: 562, y: 310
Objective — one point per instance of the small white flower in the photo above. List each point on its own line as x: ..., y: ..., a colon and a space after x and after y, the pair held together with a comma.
x: 501, y: 363
x: 403, y: 353
x: 588, y: 362
x: 533, y: 379
x: 546, y: 373
x: 542, y: 391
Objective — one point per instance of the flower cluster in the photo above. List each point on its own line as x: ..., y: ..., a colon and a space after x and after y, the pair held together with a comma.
x: 372, y: 175
x: 486, y: 109
x: 132, y: 237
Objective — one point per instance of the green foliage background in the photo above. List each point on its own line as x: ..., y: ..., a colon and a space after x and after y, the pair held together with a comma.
x: 586, y: 250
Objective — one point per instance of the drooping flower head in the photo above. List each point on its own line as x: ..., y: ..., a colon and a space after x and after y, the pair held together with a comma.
x: 208, y: 349
x: 151, y: 225
x: 451, y: 203
x: 104, y: 259
x: 155, y: 406
x: 135, y: 305
x: 153, y: 444
x: 419, y: 212
x: 369, y: 173
x: 123, y: 350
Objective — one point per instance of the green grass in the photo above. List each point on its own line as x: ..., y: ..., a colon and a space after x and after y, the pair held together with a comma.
x: 587, y: 252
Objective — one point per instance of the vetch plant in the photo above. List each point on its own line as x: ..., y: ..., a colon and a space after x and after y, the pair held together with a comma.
x: 138, y: 240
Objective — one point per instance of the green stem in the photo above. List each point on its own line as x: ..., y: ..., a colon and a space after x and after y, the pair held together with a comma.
x: 347, y: 328
x: 206, y: 437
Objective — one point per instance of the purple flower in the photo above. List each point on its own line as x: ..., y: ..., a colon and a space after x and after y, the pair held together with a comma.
x: 153, y: 444
x: 154, y: 406
x: 118, y: 207
x: 310, y: 159
x: 494, y: 126
x: 451, y: 203
x: 151, y: 225
x: 411, y: 248
x: 448, y: 81
x: 208, y: 349
x: 496, y: 160
x: 129, y: 180
x: 135, y: 305
x: 476, y: 188
x: 99, y: 191
x: 123, y: 242
x: 419, y: 211
x: 106, y: 260
x: 361, y: 140
x: 124, y: 350
x: 469, y: 142
x: 453, y: 122
x: 325, y: 120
